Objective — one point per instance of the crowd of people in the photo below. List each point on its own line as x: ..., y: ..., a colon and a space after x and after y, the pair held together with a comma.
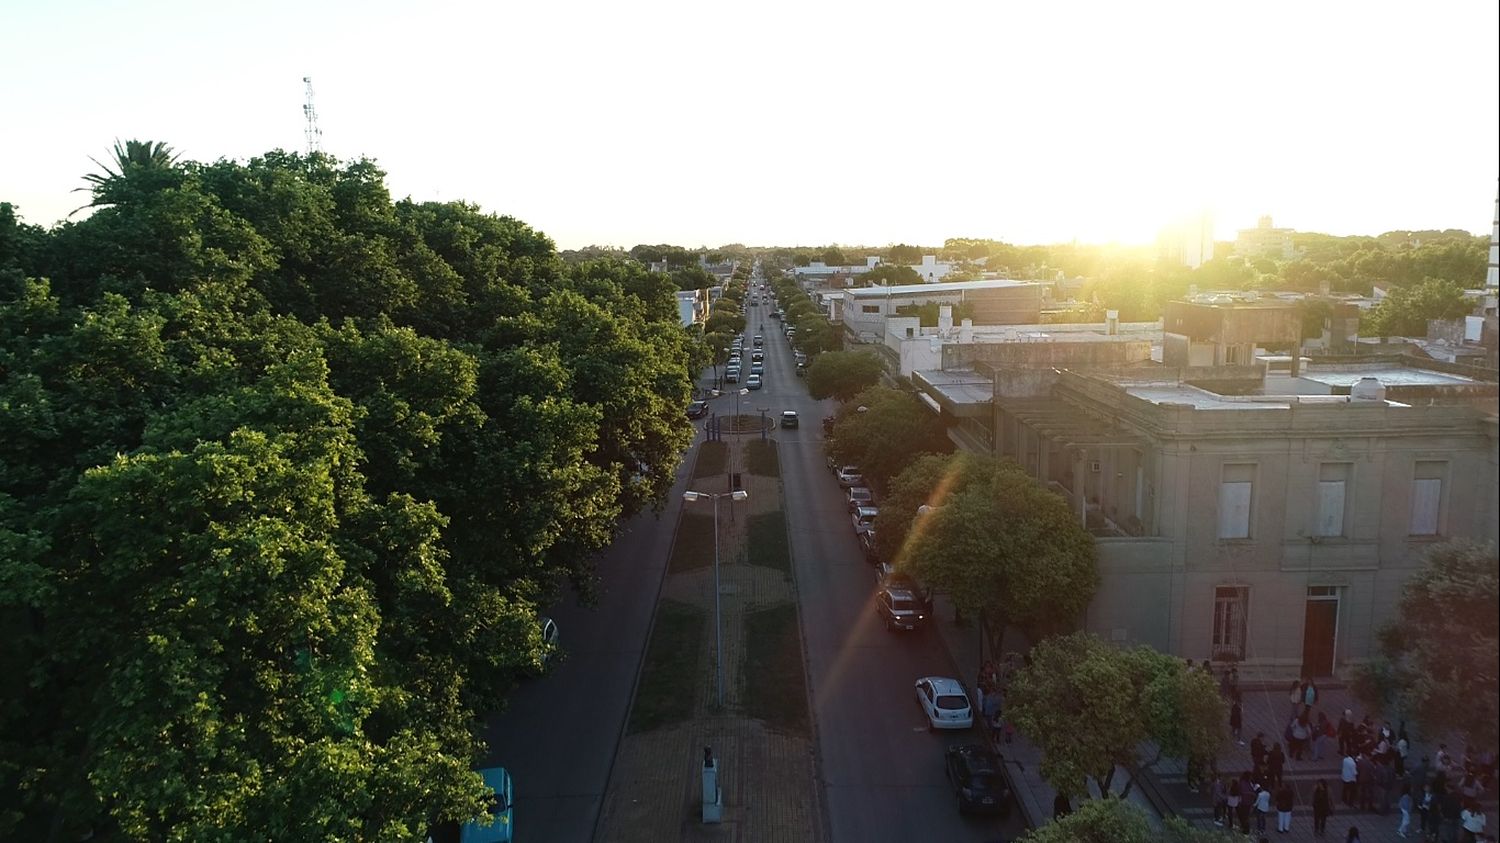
x: 1437, y: 799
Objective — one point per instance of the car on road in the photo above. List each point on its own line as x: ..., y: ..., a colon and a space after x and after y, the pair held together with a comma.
x: 801, y: 357
x: 789, y: 418
x: 850, y: 475
x: 732, y: 374
x: 499, y: 829
x: 753, y: 382
x: 901, y: 607
x: 977, y: 779
x: 864, y: 519
x: 697, y: 409
x: 757, y: 368
x: 944, y: 702
x: 757, y: 356
x: 759, y: 340
x: 860, y: 496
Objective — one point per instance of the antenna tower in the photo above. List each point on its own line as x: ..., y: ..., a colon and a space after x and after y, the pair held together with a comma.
x: 314, y: 134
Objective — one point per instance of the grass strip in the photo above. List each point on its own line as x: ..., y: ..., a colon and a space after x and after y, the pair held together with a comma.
x: 669, y: 677
x: 761, y: 458
x: 775, y: 690
x: 713, y: 459
x: 766, y: 541
x: 694, y: 546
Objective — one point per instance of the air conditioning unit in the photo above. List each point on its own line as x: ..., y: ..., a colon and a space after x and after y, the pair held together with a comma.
x: 1094, y: 466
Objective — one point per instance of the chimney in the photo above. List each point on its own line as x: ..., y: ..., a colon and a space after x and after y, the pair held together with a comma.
x: 945, y: 319
x: 1111, y: 322
x: 966, y: 331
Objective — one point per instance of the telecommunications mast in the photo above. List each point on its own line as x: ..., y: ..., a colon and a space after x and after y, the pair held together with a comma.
x: 314, y: 134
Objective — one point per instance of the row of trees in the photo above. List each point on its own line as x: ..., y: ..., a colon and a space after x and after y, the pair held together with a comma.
x: 286, y: 469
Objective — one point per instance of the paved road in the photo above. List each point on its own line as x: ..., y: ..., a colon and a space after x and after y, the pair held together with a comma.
x: 881, y: 769
x: 559, y: 735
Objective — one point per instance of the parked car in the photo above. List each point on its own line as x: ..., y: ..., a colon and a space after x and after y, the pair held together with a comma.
x: 753, y: 382
x: 867, y: 545
x: 901, y: 608
x: 849, y: 475
x: 977, y: 779
x: 499, y: 829
x: 860, y: 496
x: 757, y: 368
x: 732, y: 374
x: 944, y: 702
x: 789, y: 418
x: 801, y: 370
x: 801, y: 358
x: 697, y: 409
x: 759, y: 340
x: 863, y: 518
x: 757, y: 356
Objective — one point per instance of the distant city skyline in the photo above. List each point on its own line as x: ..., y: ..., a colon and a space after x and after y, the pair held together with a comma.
x: 863, y: 124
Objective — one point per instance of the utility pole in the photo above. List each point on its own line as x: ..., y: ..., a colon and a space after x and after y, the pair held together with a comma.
x: 314, y: 134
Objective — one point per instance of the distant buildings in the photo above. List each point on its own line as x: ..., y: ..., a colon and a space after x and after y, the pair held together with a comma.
x: 930, y: 269
x: 1264, y: 241
x: 866, y: 310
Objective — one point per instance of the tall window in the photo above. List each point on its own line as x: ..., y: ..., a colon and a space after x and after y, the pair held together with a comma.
x: 1236, y: 497
x: 1231, y: 607
x: 1333, y: 478
x: 1427, y: 497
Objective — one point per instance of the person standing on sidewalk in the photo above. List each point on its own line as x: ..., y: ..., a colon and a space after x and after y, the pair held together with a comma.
x: 1274, y: 764
x: 1322, y: 806
x: 1406, y: 804
x: 1346, y: 733
x: 1365, y: 769
x: 1247, y: 798
x: 1219, y: 793
x: 1236, y: 719
x: 1258, y: 753
x: 1426, y: 812
x: 1294, y: 696
x: 1350, y: 778
x: 1285, y: 800
x: 1262, y: 809
x: 1233, y: 798
x: 1473, y: 820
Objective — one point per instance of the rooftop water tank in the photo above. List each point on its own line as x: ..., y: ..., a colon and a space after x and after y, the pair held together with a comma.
x: 1368, y: 389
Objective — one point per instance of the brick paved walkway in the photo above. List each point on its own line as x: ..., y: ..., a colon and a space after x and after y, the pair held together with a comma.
x: 1266, y: 709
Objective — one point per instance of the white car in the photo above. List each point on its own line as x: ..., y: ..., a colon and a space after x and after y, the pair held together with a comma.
x: 944, y: 702
x: 753, y: 382
x: 850, y: 475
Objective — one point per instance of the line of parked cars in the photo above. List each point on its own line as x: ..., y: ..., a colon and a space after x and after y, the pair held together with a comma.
x: 974, y: 771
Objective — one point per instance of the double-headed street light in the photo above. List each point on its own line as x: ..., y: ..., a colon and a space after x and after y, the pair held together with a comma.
x: 736, y: 495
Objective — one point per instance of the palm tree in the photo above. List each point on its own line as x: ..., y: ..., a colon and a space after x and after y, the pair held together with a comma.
x: 139, y: 166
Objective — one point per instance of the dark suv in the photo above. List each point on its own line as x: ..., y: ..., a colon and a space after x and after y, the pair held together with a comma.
x: 977, y: 780
x: 901, y: 604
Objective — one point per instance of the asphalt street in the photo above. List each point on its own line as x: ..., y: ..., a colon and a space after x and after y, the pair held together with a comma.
x: 881, y: 769
x: 558, y: 736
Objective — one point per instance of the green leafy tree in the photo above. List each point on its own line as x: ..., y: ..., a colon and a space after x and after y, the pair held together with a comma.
x: 1114, y: 821
x: 904, y: 254
x: 1405, y: 310
x: 1126, y: 696
x: 882, y: 430
x: 890, y: 275
x: 1439, y: 662
x: 1003, y: 545
x: 843, y: 374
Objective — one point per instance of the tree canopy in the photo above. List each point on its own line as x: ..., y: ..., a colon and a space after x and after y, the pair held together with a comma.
x: 843, y: 374
x: 1114, y: 821
x: 1405, y: 310
x: 882, y: 430
x: 996, y: 541
x: 1091, y: 706
x: 286, y: 470
x: 1439, y: 663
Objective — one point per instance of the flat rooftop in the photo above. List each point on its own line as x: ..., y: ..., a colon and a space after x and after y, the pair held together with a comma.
x: 940, y: 287
x: 1388, y: 375
x: 962, y: 392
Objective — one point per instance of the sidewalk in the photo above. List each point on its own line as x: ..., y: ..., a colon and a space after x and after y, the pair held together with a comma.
x: 1266, y: 709
x: 1022, y: 758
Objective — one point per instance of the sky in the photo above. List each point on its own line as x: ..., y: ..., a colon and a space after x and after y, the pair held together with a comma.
x: 795, y: 123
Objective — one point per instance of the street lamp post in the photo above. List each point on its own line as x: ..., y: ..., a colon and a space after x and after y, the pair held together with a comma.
x: 737, y: 495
